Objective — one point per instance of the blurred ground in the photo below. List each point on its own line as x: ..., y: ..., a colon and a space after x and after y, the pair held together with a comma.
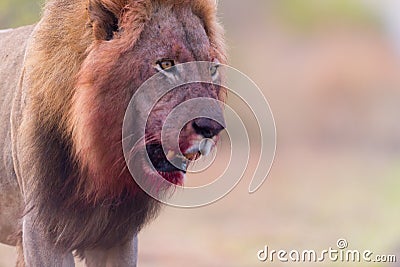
x: 331, y: 75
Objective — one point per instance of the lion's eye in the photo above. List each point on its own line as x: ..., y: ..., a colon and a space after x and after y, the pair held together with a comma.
x: 214, y: 70
x: 166, y: 64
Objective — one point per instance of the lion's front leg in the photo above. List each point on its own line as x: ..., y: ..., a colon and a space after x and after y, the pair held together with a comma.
x: 125, y: 256
x: 38, y: 251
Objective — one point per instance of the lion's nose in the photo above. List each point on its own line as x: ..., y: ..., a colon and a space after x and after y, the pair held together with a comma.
x: 207, y: 127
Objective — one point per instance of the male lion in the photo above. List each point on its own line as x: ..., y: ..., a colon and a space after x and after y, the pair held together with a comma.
x: 65, y: 85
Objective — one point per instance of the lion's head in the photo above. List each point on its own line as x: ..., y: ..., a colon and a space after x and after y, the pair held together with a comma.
x: 133, y: 41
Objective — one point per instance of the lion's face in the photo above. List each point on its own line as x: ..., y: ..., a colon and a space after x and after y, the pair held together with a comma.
x: 172, y: 38
x: 116, y: 68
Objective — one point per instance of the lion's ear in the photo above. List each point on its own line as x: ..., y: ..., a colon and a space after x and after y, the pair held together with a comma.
x: 103, y: 15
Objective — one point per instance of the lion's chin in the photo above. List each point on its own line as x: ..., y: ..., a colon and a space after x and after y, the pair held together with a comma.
x: 175, y: 177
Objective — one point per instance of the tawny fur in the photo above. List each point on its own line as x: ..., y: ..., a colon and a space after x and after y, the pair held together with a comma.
x: 65, y: 85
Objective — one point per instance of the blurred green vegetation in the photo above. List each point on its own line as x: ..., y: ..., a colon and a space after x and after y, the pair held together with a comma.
x: 311, y: 14
x: 14, y: 13
x: 303, y: 14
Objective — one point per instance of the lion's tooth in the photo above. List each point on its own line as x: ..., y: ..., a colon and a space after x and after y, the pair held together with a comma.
x: 190, y: 156
x: 205, y: 147
x: 170, y: 155
x: 184, y: 166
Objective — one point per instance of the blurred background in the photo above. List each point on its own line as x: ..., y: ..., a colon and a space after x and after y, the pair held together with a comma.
x: 331, y: 73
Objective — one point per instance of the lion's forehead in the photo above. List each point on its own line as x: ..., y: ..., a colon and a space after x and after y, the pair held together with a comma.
x: 177, y: 34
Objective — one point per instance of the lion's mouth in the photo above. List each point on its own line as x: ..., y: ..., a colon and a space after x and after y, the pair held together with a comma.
x: 171, y: 166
